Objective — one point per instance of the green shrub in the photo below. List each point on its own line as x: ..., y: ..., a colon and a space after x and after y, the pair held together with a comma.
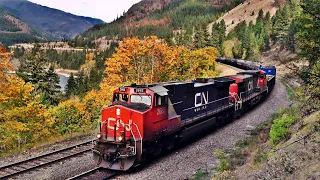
x: 223, y: 165
x: 279, y: 129
x: 259, y: 156
x: 225, y: 161
x: 200, y: 175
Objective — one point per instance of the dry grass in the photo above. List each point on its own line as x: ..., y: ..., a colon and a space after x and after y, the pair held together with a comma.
x: 226, y: 70
x: 244, y: 12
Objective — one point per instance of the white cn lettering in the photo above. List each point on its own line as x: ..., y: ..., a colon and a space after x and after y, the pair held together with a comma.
x: 119, y: 123
x: 203, y: 99
x: 250, y: 86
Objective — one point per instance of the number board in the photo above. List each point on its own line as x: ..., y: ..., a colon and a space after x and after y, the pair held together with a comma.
x: 122, y: 89
x: 139, y: 90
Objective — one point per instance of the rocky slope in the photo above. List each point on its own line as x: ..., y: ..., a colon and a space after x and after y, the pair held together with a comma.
x: 58, y: 23
x: 14, y: 30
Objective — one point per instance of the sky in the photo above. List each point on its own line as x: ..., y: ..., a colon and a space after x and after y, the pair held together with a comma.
x: 106, y: 10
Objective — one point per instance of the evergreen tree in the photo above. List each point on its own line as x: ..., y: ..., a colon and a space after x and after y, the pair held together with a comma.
x: 309, y: 36
x: 33, y: 69
x: 71, y: 87
x: 216, y: 37
x: 95, y: 78
x: 222, y: 31
x: 169, y: 41
x: 293, y: 29
x: 52, y: 90
x: 207, y: 37
x: 260, y: 15
x: 80, y: 83
x: 199, y: 38
x: 281, y: 25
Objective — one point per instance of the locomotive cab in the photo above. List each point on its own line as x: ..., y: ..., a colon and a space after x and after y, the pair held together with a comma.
x: 119, y: 143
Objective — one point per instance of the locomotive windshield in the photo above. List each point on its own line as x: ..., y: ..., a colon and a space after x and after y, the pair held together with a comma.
x: 120, y: 97
x: 145, y: 99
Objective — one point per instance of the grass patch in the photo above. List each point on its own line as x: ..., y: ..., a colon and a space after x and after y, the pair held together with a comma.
x: 291, y: 90
x: 200, y: 175
x: 280, y: 127
x: 259, y: 156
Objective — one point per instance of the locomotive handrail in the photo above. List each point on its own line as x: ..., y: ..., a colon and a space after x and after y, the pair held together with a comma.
x: 135, y: 141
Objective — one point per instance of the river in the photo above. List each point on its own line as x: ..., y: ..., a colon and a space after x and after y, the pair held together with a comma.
x: 63, y: 81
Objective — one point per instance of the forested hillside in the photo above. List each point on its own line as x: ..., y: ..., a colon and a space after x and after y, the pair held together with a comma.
x: 14, y: 30
x: 162, y: 18
x: 57, y: 23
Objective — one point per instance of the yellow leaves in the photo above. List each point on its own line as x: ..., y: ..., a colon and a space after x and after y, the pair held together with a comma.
x: 4, y: 63
x: 136, y: 61
x: 90, y: 63
x: 14, y: 126
x: 90, y: 56
x: 21, y: 114
x: 151, y: 60
x: 15, y: 89
x: 202, y: 62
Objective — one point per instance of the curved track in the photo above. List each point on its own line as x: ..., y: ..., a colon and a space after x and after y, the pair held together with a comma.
x: 97, y: 174
x: 44, y: 160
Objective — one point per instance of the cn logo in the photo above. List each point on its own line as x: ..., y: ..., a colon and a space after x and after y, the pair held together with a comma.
x: 119, y: 123
x: 201, y: 99
x: 250, y: 86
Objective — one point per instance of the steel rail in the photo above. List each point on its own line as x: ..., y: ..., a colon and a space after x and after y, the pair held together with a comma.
x: 97, y: 173
x: 43, y: 160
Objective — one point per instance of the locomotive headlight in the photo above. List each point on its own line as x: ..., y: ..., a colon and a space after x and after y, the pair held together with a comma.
x: 118, y: 111
x: 98, y: 135
x: 121, y: 137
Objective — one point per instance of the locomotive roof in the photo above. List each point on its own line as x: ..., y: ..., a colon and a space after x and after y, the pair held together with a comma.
x: 241, y: 76
x: 160, y: 87
x: 250, y: 72
x: 160, y: 90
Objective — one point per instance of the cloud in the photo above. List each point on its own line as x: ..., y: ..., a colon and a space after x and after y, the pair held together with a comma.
x: 107, y: 10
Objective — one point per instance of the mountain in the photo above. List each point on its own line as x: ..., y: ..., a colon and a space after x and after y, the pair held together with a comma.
x: 58, y: 23
x: 14, y: 30
x: 247, y: 11
x: 162, y: 18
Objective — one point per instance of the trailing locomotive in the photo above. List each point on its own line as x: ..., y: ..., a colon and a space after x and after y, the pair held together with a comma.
x: 145, y: 120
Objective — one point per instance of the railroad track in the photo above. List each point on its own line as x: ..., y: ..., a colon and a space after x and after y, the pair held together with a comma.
x: 24, y: 166
x: 96, y: 174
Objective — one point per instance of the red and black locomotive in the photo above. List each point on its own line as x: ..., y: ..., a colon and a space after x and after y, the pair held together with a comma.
x: 145, y: 120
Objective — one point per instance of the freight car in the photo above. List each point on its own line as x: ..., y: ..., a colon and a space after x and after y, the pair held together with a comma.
x: 145, y: 120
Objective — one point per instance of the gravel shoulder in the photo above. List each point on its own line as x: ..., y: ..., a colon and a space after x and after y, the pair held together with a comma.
x: 184, y: 162
x: 44, y: 149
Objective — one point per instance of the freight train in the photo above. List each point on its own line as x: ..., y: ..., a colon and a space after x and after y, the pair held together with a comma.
x: 145, y: 120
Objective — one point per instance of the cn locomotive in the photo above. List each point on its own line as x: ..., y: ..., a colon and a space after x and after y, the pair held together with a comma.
x: 145, y: 120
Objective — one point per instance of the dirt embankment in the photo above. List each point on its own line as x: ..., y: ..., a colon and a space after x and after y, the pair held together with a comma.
x: 227, y: 70
x: 247, y: 11
x: 296, y: 158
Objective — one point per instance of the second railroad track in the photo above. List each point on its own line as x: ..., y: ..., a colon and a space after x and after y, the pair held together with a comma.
x: 24, y: 166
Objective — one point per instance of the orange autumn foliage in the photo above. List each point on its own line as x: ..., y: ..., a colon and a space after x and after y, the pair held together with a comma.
x: 151, y: 60
x: 21, y: 114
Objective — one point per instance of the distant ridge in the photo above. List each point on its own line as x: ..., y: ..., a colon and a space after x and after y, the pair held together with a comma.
x: 14, y: 30
x: 55, y: 22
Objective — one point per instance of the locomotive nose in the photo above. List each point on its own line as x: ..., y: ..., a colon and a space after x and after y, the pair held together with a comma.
x: 111, y: 159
